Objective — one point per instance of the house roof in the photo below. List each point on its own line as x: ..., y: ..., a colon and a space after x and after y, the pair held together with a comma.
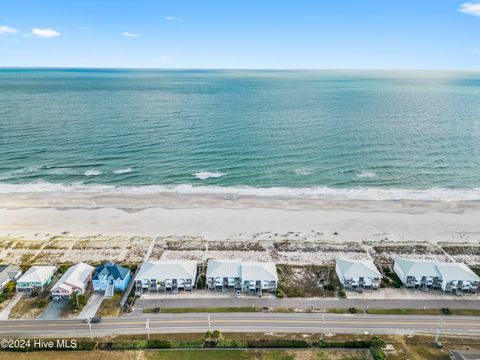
x: 456, y: 271
x: 163, y: 269
x: 259, y: 271
x: 37, y: 274
x: 353, y: 268
x: 8, y: 272
x: 75, y: 276
x: 224, y: 268
x: 418, y: 268
x: 115, y: 271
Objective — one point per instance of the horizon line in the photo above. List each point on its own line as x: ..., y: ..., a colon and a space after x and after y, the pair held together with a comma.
x: 238, y: 68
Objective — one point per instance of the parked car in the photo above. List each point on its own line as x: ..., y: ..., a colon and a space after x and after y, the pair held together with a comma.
x: 93, y: 320
x: 238, y: 294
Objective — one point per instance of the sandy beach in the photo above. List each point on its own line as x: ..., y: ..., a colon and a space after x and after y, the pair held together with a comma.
x: 223, y: 218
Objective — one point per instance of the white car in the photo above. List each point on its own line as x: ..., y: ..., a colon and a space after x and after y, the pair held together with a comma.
x: 238, y: 294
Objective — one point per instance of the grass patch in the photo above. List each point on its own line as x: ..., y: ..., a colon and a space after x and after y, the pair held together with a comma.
x: 345, y: 311
x: 29, y: 307
x: 193, y: 355
x: 307, y: 281
x: 111, y: 307
x: 76, y: 303
x: 202, y: 310
x: 471, y: 312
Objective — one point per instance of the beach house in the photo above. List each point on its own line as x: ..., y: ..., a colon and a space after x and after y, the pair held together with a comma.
x: 224, y: 275
x: 36, y: 278
x: 8, y: 273
x: 74, y: 280
x: 357, y: 274
x: 168, y: 276
x: 233, y: 274
x: 418, y: 273
x: 259, y: 277
x: 110, y: 277
x: 448, y: 277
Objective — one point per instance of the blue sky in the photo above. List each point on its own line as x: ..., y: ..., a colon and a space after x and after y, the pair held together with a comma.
x: 418, y: 34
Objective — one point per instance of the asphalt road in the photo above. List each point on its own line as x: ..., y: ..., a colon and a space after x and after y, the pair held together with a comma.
x: 307, y: 303
x: 246, y: 322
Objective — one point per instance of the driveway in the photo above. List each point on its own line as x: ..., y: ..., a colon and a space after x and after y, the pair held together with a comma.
x: 92, y: 306
x: 6, y: 310
x: 53, y: 310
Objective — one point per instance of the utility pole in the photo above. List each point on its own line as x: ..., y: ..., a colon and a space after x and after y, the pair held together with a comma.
x: 147, y: 326
x: 209, y: 322
x: 323, y: 315
x: 90, y: 328
x: 439, y: 329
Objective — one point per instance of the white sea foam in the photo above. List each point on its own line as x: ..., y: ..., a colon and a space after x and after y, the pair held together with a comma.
x: 93, y: 172
x: 302, y: 172
x: 123, y: 171
x: 366, y: 174
x: 202, y: 175
x: 22, y: 171
x: 79, y: 189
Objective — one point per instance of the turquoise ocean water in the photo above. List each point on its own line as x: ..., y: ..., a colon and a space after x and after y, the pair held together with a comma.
x: 365, y: 134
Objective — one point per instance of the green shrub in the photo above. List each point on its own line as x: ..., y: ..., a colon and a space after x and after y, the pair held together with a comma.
x: 42, y: 303
x: 280, y: 294
x: 377, y: 354
x: 329, y: 287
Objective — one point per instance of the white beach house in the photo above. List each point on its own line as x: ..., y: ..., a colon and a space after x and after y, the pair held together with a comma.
x: 252, y: 277
x: 223, y: 275
x: 74, y: 280
x: 259, y: 277
x: 36, y: 278
x: 458, y: 277
x: 357, y: 274
x: 449, y: 277
x: 168, y: 276
x: 8, y: 273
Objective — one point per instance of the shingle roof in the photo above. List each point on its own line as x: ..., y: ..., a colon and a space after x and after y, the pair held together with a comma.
x: 224, y: 268
x: 353, y: 268
x: 162, y: 270
x: 75, y: 276
x: 7, y: 272
x: 116, y: 271
x: 37, y: 274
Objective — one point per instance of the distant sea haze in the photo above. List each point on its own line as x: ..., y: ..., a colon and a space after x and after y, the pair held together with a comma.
x: 333, y: 134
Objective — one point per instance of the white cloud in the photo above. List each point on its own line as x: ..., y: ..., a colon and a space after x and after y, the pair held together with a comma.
x: 173, y: 18
x: 45, y: 33
x: 5, y: 30
x: 129, y: 34
x: 470, y: 8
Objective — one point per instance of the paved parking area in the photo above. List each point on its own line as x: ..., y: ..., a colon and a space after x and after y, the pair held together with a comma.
x: 53, y: 310
x: 92, y: 306
x: 6, y: 310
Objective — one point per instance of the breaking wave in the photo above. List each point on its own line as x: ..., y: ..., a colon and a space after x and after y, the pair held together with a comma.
x: 202, y: 175
x: 327, y: 193
x: 123, y: 171
x: 93, y: 172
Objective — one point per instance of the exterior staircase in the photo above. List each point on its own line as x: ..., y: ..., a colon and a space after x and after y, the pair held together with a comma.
x: 109, y: 291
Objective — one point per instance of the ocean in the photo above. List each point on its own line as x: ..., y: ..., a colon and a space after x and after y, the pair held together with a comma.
x: 335, y: 134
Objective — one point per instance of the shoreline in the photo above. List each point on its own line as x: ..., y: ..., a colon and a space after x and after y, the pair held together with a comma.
x: 220, y: 218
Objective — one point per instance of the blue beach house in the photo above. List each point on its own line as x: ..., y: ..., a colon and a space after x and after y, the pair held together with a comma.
x: 110, y: 277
